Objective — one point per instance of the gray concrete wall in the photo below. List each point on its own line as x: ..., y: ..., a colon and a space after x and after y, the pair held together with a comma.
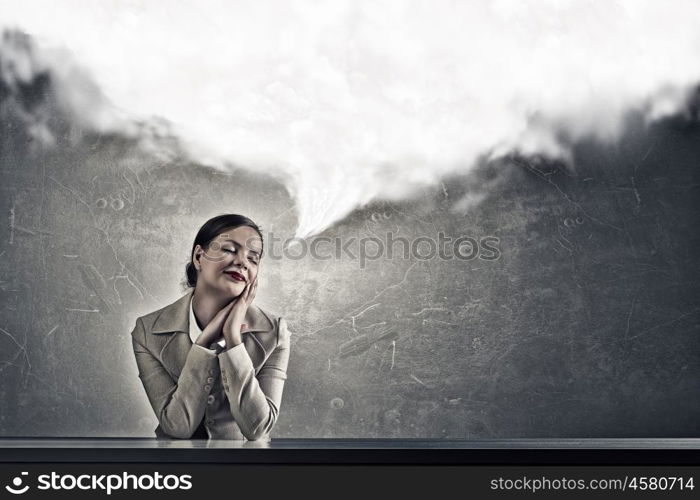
x: 585, y: 325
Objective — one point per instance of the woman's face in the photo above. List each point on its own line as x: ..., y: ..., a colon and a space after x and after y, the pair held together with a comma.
x: 229, y: 262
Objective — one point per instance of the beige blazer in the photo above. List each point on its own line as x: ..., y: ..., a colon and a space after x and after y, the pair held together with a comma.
x: 233, y: 394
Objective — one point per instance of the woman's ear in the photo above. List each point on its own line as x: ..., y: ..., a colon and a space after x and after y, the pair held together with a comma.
x: 196, y: 257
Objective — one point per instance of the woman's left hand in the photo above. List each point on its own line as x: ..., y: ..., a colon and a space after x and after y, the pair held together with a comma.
x: 234, y: 321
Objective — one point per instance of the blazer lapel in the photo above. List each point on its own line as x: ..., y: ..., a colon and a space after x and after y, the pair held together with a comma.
x: 174, y: 323
x: 175, y: 317
x: 174, y: 353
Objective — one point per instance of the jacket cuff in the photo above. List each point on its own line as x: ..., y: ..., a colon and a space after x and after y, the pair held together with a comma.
x: 238, y: 359
x: 212, y: 350
x: 199, y: 362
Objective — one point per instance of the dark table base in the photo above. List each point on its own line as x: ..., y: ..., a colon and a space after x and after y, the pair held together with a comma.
x: 354, y: 451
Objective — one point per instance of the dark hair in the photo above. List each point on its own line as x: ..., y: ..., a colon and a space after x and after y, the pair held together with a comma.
x: 210, y: 230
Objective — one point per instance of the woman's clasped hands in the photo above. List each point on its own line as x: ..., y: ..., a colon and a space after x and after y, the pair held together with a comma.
x: 228, y: 322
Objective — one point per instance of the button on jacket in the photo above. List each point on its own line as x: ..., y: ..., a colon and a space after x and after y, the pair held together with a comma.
x: 234, y: 394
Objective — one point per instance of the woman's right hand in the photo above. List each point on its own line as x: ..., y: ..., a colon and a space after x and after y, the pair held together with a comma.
x: 213, y: 332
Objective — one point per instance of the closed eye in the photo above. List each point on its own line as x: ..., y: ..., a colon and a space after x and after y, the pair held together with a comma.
x: 254, y: 260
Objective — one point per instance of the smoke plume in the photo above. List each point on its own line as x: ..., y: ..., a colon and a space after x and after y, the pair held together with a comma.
x: 353, y: 101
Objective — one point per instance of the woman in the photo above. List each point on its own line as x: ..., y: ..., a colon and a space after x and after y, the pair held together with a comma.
x: 214, y: 365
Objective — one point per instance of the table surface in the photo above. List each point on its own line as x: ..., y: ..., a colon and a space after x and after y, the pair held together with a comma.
x: 368, y: 444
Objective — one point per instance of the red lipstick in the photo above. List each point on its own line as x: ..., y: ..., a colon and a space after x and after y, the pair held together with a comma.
x: 236, y: 276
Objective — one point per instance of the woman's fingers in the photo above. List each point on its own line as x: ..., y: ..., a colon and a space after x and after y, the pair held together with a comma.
x: 251, y: 291
x: 220, y: 317
x: 227, y: 322
x: 223, y: 312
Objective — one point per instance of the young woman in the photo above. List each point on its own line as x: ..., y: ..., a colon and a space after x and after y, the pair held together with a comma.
x: 213, y: 364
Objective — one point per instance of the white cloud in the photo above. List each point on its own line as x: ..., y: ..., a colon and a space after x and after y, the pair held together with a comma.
x: 350, y: 101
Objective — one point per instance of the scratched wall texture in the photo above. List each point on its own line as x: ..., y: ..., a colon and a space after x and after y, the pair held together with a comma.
x: 586, y: 325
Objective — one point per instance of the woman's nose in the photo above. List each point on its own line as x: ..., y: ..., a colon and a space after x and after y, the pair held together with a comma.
x: 239, y: 260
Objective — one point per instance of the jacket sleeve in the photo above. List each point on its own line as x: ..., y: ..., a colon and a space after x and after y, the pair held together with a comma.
x: 255, y: 401
x: 179, y: 406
